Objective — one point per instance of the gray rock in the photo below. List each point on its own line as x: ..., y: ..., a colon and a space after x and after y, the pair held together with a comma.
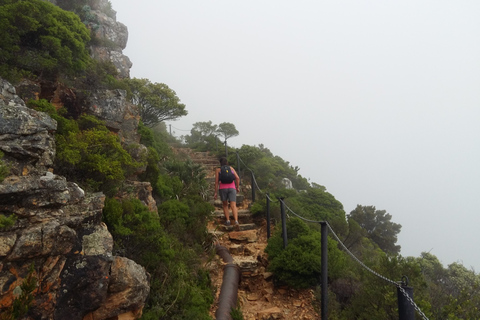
x: 25, y: 134
x: 58, y: 227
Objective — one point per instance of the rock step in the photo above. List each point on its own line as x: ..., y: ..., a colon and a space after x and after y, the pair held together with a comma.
x: 246, y: 236
x: 216, y: 232
x: 243, y: 217
x: 241, y: 227
x: 248, y: 265
x: 241, y: 213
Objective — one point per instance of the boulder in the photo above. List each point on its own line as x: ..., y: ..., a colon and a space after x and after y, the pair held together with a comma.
x: 127, y: 287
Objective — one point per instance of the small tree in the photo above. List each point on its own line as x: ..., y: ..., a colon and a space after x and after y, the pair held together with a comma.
x: 227, y: 130
x: 379, y: 227
x: 202, y: 136
x: 156, y: 101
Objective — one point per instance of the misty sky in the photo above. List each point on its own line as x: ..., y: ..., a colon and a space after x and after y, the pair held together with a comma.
x: 378, y: 101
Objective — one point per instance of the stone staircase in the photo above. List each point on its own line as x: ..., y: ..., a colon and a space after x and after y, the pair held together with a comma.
x: 258, y: 298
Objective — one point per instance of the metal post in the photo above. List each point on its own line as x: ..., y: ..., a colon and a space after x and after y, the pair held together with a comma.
x: 284, y: 223
x: 406, y: 310
x: 238, y: 168
x: 253, y: 187
x: 268, y: 216
x: 324, y: 288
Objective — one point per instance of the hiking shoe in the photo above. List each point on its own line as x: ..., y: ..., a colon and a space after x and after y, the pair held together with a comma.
x: 236, y: 223
x: 227, y: 223
x: 237, y: 226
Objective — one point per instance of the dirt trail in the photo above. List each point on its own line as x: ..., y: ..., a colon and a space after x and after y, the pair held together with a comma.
x: 258, y: 297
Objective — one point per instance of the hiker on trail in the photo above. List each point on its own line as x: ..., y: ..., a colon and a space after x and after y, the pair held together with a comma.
x: 227, y: 184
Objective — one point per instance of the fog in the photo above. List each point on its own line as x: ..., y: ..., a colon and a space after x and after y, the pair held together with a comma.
x: 377, y: 101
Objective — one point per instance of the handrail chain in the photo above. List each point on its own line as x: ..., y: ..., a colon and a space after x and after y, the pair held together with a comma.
x: 396, y: 284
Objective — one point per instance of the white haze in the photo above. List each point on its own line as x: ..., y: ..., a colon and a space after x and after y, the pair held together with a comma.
x: 379, y: 101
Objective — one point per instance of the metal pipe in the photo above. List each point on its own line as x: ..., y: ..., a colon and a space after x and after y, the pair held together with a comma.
x: 227, y: 299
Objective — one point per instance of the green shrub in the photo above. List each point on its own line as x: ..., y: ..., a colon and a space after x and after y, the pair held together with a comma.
x: 87, y: 152
x: 186, y: 219
x: 93, y: 156
x: 173, y: 212
x: 6, y: 222
x: 42, y: 105
x: 168, y: 187
x: 237, y: 314
x: 64, y: 125
x: 137, y: 231
x: 192, y: 176
x: 39, y: 37
x: 180, y: 287
x: 299, y: 264
x: 99, y: 75
x: 156, y: 138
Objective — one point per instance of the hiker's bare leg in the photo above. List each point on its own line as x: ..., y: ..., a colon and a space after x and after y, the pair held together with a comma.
x: 225, y: 210
x: 233, y: 205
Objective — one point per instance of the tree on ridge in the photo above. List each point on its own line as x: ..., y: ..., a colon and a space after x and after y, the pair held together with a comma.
x: 156, y: 101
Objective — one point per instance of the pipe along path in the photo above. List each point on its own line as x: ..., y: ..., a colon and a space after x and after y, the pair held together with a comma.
x: 227, y: 299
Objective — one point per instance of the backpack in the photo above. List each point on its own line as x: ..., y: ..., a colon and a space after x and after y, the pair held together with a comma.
x: 226, y: 174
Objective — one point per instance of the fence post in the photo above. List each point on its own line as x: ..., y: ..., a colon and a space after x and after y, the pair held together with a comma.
x: 324, y: 288
x: 238, y: 169
x: 284, y: 223
x: 253, y: 187
x: 268, y: 216
x: 406, y: 311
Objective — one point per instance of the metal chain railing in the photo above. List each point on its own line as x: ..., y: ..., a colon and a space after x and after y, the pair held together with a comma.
x: 396, y: 284
x: 377, y: 274
x: 254, y: 182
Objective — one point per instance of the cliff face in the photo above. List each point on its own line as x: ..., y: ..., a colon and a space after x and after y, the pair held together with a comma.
x: 58, y: 229
x: 112, y: 35
x: 115, y: 35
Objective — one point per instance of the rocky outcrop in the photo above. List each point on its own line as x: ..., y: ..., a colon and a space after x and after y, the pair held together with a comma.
x: 110, y: 35
x: 112, y: 107
x: 140, y: 190
x: 25, y: 135
x: 58, y: 230
x: 113, y: 37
